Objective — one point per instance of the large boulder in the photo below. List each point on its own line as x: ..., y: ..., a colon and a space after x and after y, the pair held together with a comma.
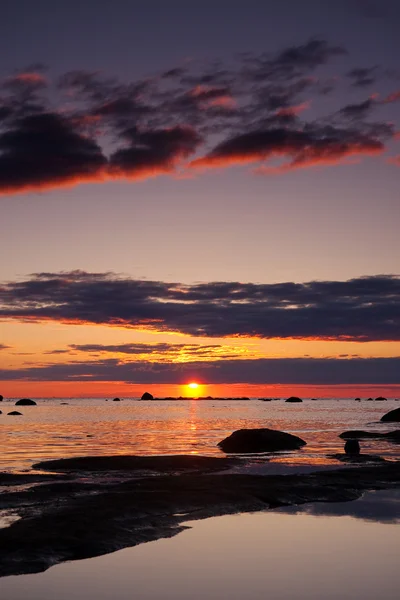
x: 294, y: 399
x: 1, y: 398
x: 25, y: 402
x: 393, y: 416
x: 147, y: 396
x: 260, y: 440
x: 380, y: 399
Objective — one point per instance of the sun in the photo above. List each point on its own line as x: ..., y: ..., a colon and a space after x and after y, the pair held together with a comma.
x: 193, y: 385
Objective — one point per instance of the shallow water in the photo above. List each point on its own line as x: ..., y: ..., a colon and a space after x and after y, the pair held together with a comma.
x: 93, y: 426
x: 312, y: 555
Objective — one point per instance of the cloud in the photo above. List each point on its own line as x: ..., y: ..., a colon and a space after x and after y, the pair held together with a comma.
x: 362, y: 309
x: 362, y: 77
x: 161, y: 352
x: 43, y: 151
x: 312, y: 146
x: 300, y: 371
x: 4, y: 347
x: 90, y: 128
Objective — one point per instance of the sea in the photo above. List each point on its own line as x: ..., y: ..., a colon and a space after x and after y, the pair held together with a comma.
x: 346, y: 550
x: 67, y: 427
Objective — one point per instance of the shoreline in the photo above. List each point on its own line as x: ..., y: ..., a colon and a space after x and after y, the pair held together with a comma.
x: 73, y: 514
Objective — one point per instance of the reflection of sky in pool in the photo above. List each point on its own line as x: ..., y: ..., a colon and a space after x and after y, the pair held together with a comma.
x: 274, y: 555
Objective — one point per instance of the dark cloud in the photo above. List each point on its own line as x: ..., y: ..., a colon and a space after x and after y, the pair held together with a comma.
x: 93, y: 128
x: 4, y: 347
x: 358, y: 111
x: 313, y: 145
x: 363, y: 77
x: 40, y: 151
x: 153, y: 152
x: 362, y: 309
x: 300, y: 371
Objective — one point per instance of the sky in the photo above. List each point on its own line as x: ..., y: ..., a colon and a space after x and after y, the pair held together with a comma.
x: 200, y: 192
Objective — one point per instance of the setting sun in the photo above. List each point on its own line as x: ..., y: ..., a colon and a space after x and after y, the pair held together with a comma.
x: 193, y: 385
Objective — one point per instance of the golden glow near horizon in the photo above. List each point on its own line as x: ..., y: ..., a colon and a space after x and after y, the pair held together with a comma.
x: 193, y: 385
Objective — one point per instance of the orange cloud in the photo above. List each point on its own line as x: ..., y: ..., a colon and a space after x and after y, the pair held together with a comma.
x: 293, y: 110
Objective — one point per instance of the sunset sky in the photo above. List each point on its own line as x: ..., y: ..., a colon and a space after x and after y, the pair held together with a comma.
x: 200, y: 192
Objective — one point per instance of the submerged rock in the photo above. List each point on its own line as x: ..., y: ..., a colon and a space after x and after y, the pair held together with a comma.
x: 147, y: 396
x: 14, y: 412
x: 260, y: 440
x: 163, y: 464
x: 294, y: 399
x: 352, y: 447
x: 25, y: 402
x: 392, y: 416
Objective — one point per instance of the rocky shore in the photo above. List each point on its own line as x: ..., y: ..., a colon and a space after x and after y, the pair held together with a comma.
x: 97, y: 505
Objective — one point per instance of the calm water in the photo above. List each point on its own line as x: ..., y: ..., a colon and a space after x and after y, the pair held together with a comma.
x: 93, y: 426
x: 313, y: 556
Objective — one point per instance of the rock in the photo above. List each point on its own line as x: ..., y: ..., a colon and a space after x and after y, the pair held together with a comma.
x: 1, y: 398
x: 352, y: 447
x: 358, y: 399
x: 380, y: 399
x: 1, y: 412
x: 14, y: 412
x: 147, y: 396
x: 260, y: 440
x: 265, y: 399
x: 392, y: 436
x: 294, y: 399
x: 25, y: 402
x: 392, y: 416
x: 117, y: 400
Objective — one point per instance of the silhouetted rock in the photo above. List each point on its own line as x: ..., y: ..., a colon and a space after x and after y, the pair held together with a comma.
x: 358, y: 399
x: 294, y: 399
x: 25, y: 402
x: 147, y: 396
x: 260, y: 440
x: 163, y: 464
x: 380, y: 399
x: 352, y: 447
x: 392, y: 416
x: 392, y: 436
x: 116, y: 399
x: 1, y: 412
x: 369, y: 399
x: 314, y: 399
x: 265, y: 399
x: 14, y: 412
x: 1, y: 398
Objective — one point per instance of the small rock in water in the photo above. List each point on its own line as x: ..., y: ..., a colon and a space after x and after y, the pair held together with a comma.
x: 25, y: 402
x: 117, y: 400
x: 14, y: 412
x: 294, y: 399
x: 380, y: 399
x: 1, y: 398
x: 352, y: 447
x: 147, y: 396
